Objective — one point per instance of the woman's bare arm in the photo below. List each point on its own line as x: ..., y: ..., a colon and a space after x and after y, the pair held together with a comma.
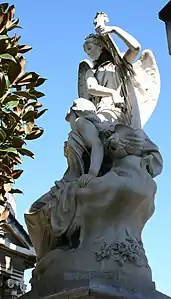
x: 96, y: 89
x: 133, y: 45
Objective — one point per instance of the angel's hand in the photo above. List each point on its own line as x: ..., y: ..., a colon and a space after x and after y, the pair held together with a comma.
x: 104, y: 29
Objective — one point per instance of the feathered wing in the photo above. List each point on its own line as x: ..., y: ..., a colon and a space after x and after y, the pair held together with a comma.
x: 146, y: 84
x: 84, y: 66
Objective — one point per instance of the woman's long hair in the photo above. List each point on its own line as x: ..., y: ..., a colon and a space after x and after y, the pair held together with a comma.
x: 124, y: 68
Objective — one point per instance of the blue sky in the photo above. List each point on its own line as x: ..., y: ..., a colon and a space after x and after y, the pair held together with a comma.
x: 56, y: 30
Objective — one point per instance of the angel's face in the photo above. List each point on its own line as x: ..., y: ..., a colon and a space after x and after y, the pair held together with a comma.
x: 92, y: 49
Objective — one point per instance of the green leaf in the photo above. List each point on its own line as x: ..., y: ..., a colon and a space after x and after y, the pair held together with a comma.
x: 14, y: 158
x: 2, y: 135
x: 8, y: 150
x: 2, y: 84
x: 27, y: 78
x: 25, y: 152
x: 15, y: 69
x: 12, y: 51
x: 41, y: 113
x: 29, y: 115
x: 3, y: 45
x: 17, y: 142
x: 16, y: 191
x: 40, y: 81
x: 30, y: 104
x: 4, y: 178
x: 12, y: 11
x: 10, y: 120
x: 17, y: 173
x: 10, y: 98
x: 36, y: 93
x: 14, y: 40
x: 14, y: 117
x: 34, y: 134
x: 3, y: 36
x: 23, y: 48
x: 13, y: 25
x: 25, y: 94
x: 5, y: 168
x: 3, y: 7
x: 7, y: 56
x: 11, y: 104
x: 7, y: 81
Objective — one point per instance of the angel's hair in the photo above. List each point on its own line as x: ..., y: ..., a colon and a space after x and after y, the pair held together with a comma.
x: 95, y: 39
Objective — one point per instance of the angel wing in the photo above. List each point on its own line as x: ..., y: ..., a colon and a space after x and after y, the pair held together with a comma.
x: 84, y: 66
x: 146, y: 84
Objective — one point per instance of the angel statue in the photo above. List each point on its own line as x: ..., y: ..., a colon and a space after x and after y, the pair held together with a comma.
x: 112, y: 89
x: 108, y: 187
x: 139, y: 81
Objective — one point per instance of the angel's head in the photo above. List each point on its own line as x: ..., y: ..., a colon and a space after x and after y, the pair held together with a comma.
x: 95, y: 46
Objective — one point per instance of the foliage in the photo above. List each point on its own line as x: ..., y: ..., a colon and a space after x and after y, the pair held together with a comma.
x: 19, y: 102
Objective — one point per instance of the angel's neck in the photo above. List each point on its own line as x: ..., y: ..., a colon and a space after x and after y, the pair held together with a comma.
x: 104, y: 58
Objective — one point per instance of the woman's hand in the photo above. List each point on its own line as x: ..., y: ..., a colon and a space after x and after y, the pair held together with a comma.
x: 105, y: 29
x: 84, y: 180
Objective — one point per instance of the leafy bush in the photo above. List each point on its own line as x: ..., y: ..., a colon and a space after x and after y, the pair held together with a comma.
x: 19, y: 102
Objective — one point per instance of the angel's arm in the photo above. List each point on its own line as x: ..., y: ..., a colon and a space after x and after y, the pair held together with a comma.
x: 98, y: 90
x: 133, y: 45
x: 94, y: 88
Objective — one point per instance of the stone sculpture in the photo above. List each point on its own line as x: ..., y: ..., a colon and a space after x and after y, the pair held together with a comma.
x: 90, y: 223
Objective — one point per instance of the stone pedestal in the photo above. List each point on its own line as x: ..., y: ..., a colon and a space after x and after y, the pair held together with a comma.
x: 102, y: 242
x: 86, y: 288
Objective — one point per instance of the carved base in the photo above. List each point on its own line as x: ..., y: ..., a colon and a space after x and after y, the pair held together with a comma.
x: 81, y: 264
x: 94, y: 288
x: 93, y: 233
